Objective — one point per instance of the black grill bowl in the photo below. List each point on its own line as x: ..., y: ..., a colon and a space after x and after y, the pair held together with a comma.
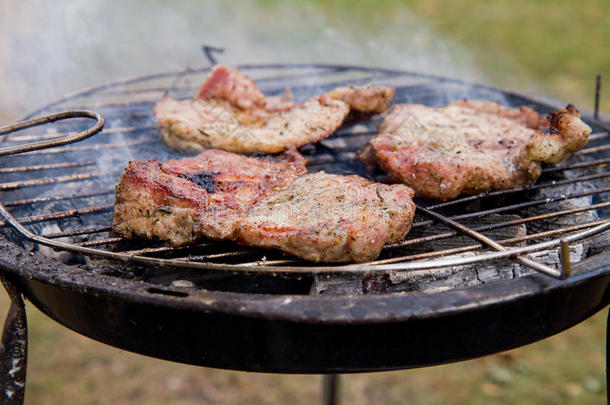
x: 309, y: 334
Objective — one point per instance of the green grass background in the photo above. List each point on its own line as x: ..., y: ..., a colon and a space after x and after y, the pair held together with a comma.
x: 554, y: 48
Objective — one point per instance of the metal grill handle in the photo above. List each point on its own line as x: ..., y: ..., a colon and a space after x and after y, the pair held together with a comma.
x: 11, y: 150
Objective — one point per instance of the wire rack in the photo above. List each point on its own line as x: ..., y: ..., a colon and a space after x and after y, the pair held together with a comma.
x: 63, y: 194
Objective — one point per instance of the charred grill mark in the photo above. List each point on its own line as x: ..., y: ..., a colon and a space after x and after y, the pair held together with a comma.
x: 204, y: 180
x: 508, y: 143
x: 379, y: 195
x: 202, y: 132
x: 550, y: 130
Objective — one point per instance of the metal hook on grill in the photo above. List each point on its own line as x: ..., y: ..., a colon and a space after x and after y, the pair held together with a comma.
x: 598, y: 89
x: 11, y: 150
x: 564, y: 256
x: 207, y: 50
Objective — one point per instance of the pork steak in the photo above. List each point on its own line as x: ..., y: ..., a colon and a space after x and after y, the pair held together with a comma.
x: 330, y: 218
x: 181, y: 201
x: 471, y: 147
x: 229, y: 112
x: 268, y: 202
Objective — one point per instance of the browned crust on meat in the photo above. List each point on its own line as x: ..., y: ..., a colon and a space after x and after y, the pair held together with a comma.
x: 330, y: 218
x: 369, y: 98
x: 566, y: 134
x: 471, y: 147
x: 203, y: 124
x: 150, y: 203
x: 183, y: 200
x: 225, y: 83
x: 229, y: 112
x: 523, y: 115
x: 267, y: 202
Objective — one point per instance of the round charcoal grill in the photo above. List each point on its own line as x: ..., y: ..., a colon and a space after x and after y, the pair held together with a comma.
x: 460, y: 285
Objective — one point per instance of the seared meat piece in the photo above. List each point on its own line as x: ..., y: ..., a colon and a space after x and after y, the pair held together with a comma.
x: 369, y: 98
x: 229, y: 112
x: 229, y: 84
x: 524, y: 115
x: 201, y: 124
x: 471, y: 147
x: 330, y: 218
x: 183, y: 200
x: 267, y: 202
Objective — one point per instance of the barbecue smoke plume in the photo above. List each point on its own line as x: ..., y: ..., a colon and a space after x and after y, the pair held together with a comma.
x: 49, y: 49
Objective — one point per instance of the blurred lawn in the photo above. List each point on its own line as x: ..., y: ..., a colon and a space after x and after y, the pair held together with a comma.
x: 562, y: 45
x: 557, y: 48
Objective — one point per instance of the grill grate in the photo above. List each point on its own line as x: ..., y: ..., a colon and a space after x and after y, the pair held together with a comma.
x: 62, y: 197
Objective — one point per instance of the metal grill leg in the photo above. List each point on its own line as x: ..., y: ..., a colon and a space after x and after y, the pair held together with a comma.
x: 330, y: 389
x: 607, y: 359
x: 13, y: 349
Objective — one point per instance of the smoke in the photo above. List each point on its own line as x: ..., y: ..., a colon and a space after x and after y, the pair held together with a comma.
x: 49, y: 49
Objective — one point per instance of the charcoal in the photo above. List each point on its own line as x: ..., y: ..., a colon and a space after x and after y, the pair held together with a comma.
x: 436, y: 278
x: 337, y: 284
x: 592, y: 245
x: 456, y: 276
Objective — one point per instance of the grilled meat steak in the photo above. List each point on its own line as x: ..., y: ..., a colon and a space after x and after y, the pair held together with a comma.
x: 330, y: 218
x: 471, y: 147
x: 181, y: 201
x: 229, y: 112
x: 200, y: 124
x: 269, y: 202
x: 367, y: 98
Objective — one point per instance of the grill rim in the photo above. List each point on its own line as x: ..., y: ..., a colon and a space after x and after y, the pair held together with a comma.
x: 288, y: 337
x: 274, y: 306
